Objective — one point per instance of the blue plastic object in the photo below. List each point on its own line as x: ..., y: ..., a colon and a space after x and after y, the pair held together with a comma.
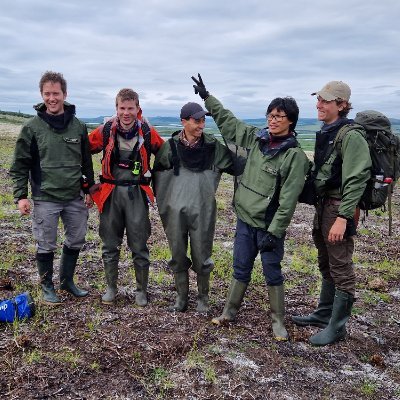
x: 19, y: 307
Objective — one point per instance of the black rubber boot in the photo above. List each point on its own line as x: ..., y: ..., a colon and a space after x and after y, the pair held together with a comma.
x: 203, y: 287
x: 182, y: 289
x: 277, y: 306
x: 321, y: 316
x: 68, y: 262
x: 233, y: 302
x: 142, y: 279
x: 44, y: 263
x: 111, y: 274
x: 336, y: 329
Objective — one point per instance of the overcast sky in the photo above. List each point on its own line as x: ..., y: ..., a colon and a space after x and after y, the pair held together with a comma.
x: 248, y: 52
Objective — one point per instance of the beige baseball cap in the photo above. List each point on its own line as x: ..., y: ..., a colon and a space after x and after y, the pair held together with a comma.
x: 334, y: 90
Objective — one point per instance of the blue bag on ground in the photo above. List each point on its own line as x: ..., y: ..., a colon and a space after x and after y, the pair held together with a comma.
x: 19, y: 307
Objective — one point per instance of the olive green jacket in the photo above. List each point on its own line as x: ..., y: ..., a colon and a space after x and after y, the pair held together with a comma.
x: 258, y: 184
x: 53, y: 161
x: 356, y: 165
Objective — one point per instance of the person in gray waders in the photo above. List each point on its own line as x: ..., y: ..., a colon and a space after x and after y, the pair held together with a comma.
x: 52, y: 152
x: 265, y: 199
x: 127, y: 141
x: 187, y: 170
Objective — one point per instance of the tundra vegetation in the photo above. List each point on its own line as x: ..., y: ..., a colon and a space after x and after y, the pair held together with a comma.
x: 85, y: 350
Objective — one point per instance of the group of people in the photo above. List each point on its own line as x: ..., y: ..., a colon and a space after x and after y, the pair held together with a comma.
x: 53, y: 152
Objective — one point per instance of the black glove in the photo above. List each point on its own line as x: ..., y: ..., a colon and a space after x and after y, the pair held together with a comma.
x: 268, y: 242
x: 199, y: 87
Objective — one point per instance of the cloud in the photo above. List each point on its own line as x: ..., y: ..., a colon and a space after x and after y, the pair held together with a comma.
x: 248, y: 52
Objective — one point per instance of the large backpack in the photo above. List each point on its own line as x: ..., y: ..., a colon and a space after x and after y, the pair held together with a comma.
x: 384, y: 147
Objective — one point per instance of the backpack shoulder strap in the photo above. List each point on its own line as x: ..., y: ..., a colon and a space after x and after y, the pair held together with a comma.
x: 147, y: 140
x: 343, y: 131
x: 175, y: 157
x: 106, y: 135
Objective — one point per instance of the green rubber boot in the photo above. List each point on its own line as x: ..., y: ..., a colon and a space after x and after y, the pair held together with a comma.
x: 182, y: 288
x: 203, y: 287
x: 142, y: 279
x: 336, y: 329
x: 277, y: 306
x: 68, y: 262
x: 111, y: 273
x: 44, y: 262
x: 321, y: 316
x: 233, y: 302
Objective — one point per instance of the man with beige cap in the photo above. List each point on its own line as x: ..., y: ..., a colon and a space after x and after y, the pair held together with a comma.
x: 341, y: 170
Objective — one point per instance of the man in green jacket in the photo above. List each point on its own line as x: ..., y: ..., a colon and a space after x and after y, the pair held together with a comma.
x: 52, y: 151
x: 187, y: 169
x: 265, y: 199
x: 341, y: 173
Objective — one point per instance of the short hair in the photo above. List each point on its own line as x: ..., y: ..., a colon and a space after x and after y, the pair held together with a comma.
x: 343, y: 113
x: 127, y: 94
x: 50, y: 76
x: 289, y: 106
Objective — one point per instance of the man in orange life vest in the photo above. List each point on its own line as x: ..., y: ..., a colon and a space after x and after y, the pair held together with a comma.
x: 123, y: 196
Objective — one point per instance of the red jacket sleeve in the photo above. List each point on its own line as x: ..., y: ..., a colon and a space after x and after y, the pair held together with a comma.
x: 96, y: 140
x: 156, y: 140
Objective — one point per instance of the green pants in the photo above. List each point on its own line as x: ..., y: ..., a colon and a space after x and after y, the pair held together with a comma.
x: 128, y: 211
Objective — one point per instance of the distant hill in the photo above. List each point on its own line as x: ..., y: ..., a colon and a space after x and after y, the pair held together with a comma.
x: 169, y: 124
x: 173, y: 121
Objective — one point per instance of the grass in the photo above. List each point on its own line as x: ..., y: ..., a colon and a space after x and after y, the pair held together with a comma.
x: 34, y: 356
x: 304, y: 260
x: 196, y: 360
x: 159, y: 376
x: 68, y: 356
x: 159, y: 252
x: 10, y: 258
x: 223, y: 262
x: 369, y: 389
x: 373, y: 298
x: 159, y: 277
x: 388, y: 269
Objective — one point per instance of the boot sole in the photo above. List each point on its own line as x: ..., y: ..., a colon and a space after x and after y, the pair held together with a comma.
x: 107, y: 302
x: 73, y: 294
x: 221, y: 322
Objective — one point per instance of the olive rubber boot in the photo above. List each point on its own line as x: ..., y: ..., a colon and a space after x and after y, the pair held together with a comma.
x: 277, y: 305
x: 336, y: 329
x: 182, y: 289
x: 233, y: 302
x: 111, y: 273
x: 142, y: 278
x: 203, y: 287
x: 68, y: 262
x: 321, y: 316
x: 44, y: 263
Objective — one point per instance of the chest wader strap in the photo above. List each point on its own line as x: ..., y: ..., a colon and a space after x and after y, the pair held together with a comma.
x: 124, y: 182
x: 175, y: 158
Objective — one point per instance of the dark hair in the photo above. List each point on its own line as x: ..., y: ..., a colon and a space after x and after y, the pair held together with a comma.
x: 289, y: 106
x: 127, y: 94
x: 50, y: 76
x: 346, y: 108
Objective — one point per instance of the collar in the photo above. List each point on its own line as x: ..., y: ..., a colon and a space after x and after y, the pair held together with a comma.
x: 186, y: 143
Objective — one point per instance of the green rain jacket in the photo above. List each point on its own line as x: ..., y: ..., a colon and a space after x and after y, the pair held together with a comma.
x: 355, y: 164
x: 258, y: 184
x: 53, y: 160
